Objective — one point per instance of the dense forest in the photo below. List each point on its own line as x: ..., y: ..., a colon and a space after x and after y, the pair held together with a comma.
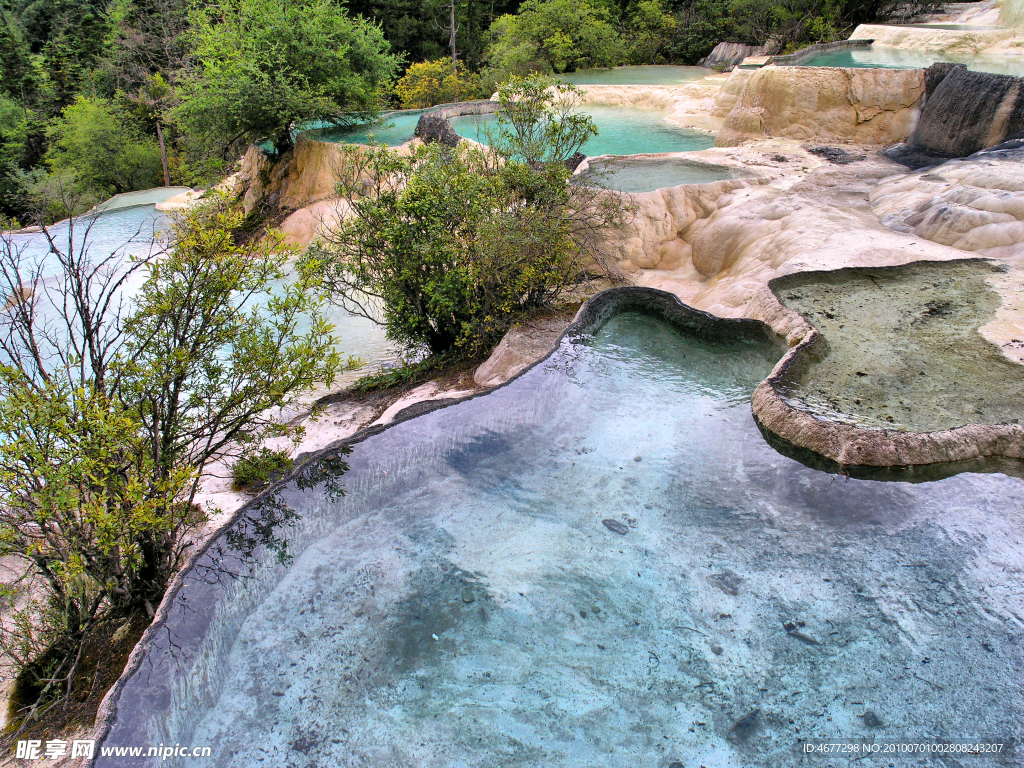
x: 117, y: 95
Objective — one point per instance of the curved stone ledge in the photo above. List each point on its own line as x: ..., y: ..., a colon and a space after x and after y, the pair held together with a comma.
x: 852, y: 447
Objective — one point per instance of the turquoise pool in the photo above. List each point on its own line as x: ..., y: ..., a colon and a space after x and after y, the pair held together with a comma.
x: 394, y: 128
x: 666, y: 74
x: 623, y: 131
x: 136, y: 231
x: 601, y: 564
x: 900, y: 58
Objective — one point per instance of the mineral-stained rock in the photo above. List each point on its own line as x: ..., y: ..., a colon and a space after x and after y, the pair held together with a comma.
x: 432, y: 128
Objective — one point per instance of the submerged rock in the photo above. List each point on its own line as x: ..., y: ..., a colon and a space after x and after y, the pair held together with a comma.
x: 743, y: 727
x: 836, y: 155
x: 615, y: 526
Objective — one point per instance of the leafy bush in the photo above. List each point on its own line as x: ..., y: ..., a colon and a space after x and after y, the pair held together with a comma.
x: 264, y: 67
x: 456, y: 245
x: 97, y: 142
x: 436, y: 82
x: 110, y: 420
x: 257, y: 467
x: 651, y: 33
x: 552, y: 36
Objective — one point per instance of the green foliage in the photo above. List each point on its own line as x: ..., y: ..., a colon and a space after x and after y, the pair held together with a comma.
x: 700, y: 26
x: 213, y: 347
x: 552, y: 36
x: 109, y: 421
x: 17, y: 79
x: 539, y: 121
x: 420, y: 29
x: 436, y: 82
x: 457, y: 245
x: 402, y: 375
x: 651, y: 33
x: 20, y: 135
x: 256, y: 467
x: 97, y: 141
x: 265, y: 67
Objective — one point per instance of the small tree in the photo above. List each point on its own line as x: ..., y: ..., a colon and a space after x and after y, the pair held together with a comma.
x: 110, y: 416
x: 436, y: 82
x: 457, y: 245
x: 265, y: 67
x: 539, y: 121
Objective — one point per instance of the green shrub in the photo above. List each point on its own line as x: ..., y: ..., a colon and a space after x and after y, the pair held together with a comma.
x: 552, y: 36
x: 257, y: 467
x: 456, y: 245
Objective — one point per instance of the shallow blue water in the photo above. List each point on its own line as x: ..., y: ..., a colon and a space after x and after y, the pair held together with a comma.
x: 592, y: 566
x: 900, y: 58
x: 637, y: 175
x: 136, y: 232
x: 622, y: 131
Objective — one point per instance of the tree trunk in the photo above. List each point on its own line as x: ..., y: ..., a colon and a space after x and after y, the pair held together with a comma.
x: 163, y: 154
x: 455, y: 58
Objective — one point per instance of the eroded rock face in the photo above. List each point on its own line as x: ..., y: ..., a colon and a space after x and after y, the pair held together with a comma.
x: 973, y: 205
x: 657, y: 235
x: 967, y: 111
x: 728, y: 55
x: 866, y: 106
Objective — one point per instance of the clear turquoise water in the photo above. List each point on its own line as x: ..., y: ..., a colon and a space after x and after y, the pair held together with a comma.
x: 666, y: 74
x: 592, y: 567
x: 623, y: 131
x: 899, y: 58
x: 394, y: 128
x: 134, y: 231
x: 636, y: 175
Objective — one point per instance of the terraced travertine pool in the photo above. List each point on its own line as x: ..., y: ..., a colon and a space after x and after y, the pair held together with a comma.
x: 888, y: 57
x: 646, y: 174
x: 124, y: 232
x: 651, y: 74
x: 622, y: 131
x: 903, y: 349
x: 394, y: 128
x: 599, y: 564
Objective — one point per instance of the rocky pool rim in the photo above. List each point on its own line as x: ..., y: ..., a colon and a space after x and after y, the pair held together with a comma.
x: 590, y: 317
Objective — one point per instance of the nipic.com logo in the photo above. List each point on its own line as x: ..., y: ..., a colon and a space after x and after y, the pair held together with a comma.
x: 36, y: 749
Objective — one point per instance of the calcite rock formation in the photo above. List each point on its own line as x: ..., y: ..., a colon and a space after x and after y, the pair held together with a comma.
x: 865, y: 106
x: 973, y: 205
x: 998, y: 42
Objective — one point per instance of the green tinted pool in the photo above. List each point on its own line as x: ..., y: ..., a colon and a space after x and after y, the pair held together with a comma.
x: 646, y: 174
x: 393, y: 129
x: 622, y: 132
x: 645, y: 75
